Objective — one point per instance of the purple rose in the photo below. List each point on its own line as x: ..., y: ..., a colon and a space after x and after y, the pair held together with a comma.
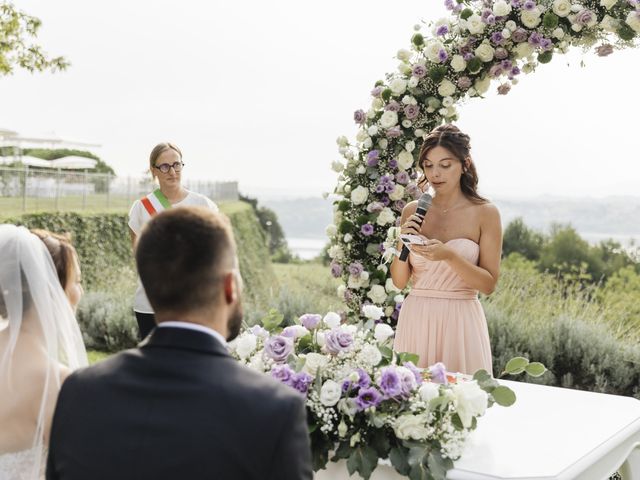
x: 529, y: 5
x: 504, y: 89
x: 348, y: 295
x: 359, y: 117
x: 464, y: 83
x: 449, y: 4
x: 283, y: 373
x: 442, y: 30
x: 411, y: 111
x: 373, y: 157
x: 604, y: 50
x: 278, y: 347
x: 385, y: 180
x: 366, y: 229
x: 534, y: 39
x: 379, y: 188
x: 368, y: 397
x: 516, y: 3
x: 497, y: 38
x: 376, y: 92
x: 546, y: 44
x: 312, y: 320
x: 355, y: 269
x: 374, y: 207
x: 442, y: 55
x: 501, y: 53
x: 490, y: 20
x: 419, y: 71
x: 515, y: 71
x: 395, y: 315
x: 389, y: 187
x: 301, y: 382
x: 467, y: 56
x: 438, y: 373
x: 584, y: 17
x: 392, y: 106
x: 389, y: 382
x: 506, y: 64
x: 364, y: 380
x: 402, y: 178
x: 519, y: 35
x: 336, y: 269
x: 394, y: 132
x: 399, y: 205
x: 495, y: 70
x: 338, y: 340
x: 393, y: 163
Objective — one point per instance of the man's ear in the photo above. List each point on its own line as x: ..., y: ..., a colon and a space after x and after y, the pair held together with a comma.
x: 229, y: 285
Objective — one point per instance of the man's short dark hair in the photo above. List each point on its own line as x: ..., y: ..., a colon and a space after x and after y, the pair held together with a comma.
x: 181, y: 255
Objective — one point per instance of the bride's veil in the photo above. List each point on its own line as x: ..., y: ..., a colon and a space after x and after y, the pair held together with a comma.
x: 40, y: 342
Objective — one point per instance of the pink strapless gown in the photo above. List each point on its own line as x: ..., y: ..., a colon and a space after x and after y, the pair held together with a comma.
x: 441, y: 319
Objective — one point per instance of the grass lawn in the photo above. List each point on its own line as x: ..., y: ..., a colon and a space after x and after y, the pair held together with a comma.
x: 95, y: 356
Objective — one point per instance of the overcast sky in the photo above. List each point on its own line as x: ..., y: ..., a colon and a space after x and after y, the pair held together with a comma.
x: 258, y: 91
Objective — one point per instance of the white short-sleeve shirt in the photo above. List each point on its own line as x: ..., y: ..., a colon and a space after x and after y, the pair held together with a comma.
x: 138, y: 217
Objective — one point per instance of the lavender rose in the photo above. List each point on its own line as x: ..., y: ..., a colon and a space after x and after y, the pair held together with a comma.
x: 366, y: 229
x: 336, y: 269
x: 419, y: 71
x: 411, y: 111
x: 585, y: 17
x: 301, y: 382
x: 389, y: 382
x: 359, y: 117
x: 278, y: 347
x: 283, y: 373
x: 368, y: 397
x: 338, y: 340
x: 439, y: 373
x: 355, y: 269
x: 519, y: 35
x: 311, y: 320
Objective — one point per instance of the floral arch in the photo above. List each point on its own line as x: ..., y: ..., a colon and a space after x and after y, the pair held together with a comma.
x: 480, y: 43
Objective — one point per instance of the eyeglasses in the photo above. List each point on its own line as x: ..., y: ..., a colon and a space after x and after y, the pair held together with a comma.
x: 165, y: 167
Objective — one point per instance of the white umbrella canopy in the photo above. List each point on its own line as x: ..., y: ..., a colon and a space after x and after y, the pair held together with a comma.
x: 73, y: 161
x: 26, y: 160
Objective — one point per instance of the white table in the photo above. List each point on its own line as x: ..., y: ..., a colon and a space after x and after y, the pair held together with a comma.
x: 550, y: 433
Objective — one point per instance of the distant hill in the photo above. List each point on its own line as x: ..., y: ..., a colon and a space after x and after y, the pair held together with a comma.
x: 594, y: 218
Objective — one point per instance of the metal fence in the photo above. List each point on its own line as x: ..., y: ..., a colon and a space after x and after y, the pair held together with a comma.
x: 31, y: 189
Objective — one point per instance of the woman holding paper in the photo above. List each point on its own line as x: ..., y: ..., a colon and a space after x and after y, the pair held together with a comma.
x: 165, y: 165
x: 441, y: 319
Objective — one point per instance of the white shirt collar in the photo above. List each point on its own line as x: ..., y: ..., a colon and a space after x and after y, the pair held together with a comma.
x: 194, y: 326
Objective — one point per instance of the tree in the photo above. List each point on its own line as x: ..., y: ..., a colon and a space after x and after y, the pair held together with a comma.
x: 521, y: 239
x: 17, y: 48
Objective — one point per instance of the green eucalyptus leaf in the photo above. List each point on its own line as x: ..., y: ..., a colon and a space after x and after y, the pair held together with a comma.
x: 504, y: 396
x: 398, y: 457
x: 545, y: 57
x: 535, y: 369
x: 466, y: 13
x: 408, y: 357
x: 516, y: 365
x: 438, y: 465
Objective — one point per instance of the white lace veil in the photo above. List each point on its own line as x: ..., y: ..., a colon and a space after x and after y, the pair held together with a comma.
x: 40, y: 342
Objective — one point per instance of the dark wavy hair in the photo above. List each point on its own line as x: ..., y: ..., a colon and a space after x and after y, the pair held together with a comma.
x: 459, y: 144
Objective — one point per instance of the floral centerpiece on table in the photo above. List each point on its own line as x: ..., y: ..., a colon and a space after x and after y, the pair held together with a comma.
x: 449, y: 62
x: 366, y: 402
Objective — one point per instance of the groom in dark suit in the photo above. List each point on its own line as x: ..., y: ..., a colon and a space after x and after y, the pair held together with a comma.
x: 179, y: 407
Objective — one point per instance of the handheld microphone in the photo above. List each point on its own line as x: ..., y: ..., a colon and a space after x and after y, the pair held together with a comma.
x: 424, y: 202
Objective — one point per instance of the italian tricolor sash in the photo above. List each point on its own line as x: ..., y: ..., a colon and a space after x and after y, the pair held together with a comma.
x: 155, y: 202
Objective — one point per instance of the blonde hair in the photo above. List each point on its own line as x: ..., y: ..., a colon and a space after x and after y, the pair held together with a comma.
x: 158, y: 150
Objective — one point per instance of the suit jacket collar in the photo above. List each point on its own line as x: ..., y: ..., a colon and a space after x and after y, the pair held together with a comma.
x: 185, y: 339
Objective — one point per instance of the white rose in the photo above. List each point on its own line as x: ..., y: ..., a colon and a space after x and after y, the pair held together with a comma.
x: 410, y: 146
x: 398, y: 298
x: 330, y: 393
x: 383, y: 268
x: 413, y: 82
x: 411, y: 427
x: 337, y: 166
x: 457, y: 63
x: 256, y: 363
x: 398, y: 193
x: 348, y: 406
x: 340, y: 291
x: 332, y: 319
x: 609, y: 24
x: 409, y: 100
x: 246, y: 345
x: 405, y: 160
x: 447, y: 101
x: 388, y: 311
x: 419, y: 133
x: 386, y: 216
x: 372, y: 130
x: 404, y: 69
x: 451, y: 111
x: 398, y: 86
x: 368, y: 143
x: 390, y: 287
x: 361, y: 169
x: 370, y: 355
x: 383, y: 332
x: 403, y: 55
x: 506, y: 33
x: 377, y: 294
x: 511, y: 25
x: 335, y: 252
x: 383, y: 143
x: 501, y: 8
x: 633, y: 20
x: 531, y: 18
x: 361, y: 135
x: 342, y: 141
x: 474, y: 24
x: 485, y: 52
x: 331, y: 230
x: 347, y: 238
x: 406, y: 123
x: 388, y: 119
x: 562, y: 8
x: 313, y: 361
x: 524, y: 50
x: 428, y: 391
x: 558, y: 33
x: 354, y: 283
x: 470, y: 401
x: 377, y: 104
x: 359, y: 195
x: 482, y: 85
x: 432, y: 50
x: 608, y: 4
x: 446, y: 88
x: 372, y: 312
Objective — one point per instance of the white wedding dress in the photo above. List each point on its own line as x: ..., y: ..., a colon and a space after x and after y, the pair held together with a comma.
x: 40, y: 343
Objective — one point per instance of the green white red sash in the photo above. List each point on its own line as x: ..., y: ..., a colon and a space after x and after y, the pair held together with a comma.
x: 155, y: 202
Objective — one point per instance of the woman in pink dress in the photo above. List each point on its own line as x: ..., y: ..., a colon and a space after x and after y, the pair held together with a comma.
x: 441, y: 318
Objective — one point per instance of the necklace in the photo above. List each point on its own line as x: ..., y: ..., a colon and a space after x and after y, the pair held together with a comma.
x: 445, y: 210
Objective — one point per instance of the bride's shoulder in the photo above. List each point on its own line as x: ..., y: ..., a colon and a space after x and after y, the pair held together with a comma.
x: 488, y: 212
